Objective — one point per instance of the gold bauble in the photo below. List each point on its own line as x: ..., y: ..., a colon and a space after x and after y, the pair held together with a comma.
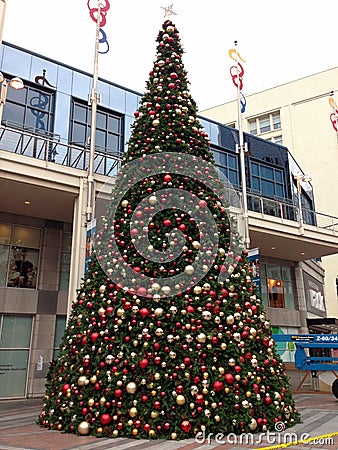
x: 154, y: 414
x: 93, y: 379
x: 115, y: 433
x: 81, y: 380
x: 153, y: 393
x: 217, y: 418
x: 133, y: 412
x: 101, y: 311
x: 102, y: 401
x: 248, y: 394
x: 59, y: 427
x: 152, y: 200
x: 91, y: 402
x: 157, y: 376
x: 99, y: 430
x: 151, y: 433
x: 189, y: 270
x: 83, y: 428
x: 180, y: 399
x: 173, y: 436
x: 134, y: 432
x: 201, y: 338
x: 223, y: 346
x: 227, y: 390
x: 197, y: 290
x: 253, y: 424
x: 196, y: 244
x: 124, y: 203
x: 131, y: 387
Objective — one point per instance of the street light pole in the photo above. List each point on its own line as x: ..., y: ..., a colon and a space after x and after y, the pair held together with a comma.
x: 93, y: 101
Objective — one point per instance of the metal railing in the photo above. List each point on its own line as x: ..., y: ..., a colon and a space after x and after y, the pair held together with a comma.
x: 46, y: 146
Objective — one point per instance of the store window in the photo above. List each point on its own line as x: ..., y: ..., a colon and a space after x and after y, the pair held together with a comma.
x: 265, y: 123
x: 30, y: 108
x: 109, y: 128
x: 65, y: 262
x: 15, y: 338
x: 19, y: 256
x: 278, y: 288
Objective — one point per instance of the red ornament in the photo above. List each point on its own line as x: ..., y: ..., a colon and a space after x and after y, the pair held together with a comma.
x: 167, y: 222
x: 186, y: 426
x: 229, y: 378
x: 65, y: 388
x: 143, y: 363
x: 268, y: 400
x: 144, y: 312
x: 218, y: 386
x: 94, y: 336
x: 105, y: 419
x: 167, y: 178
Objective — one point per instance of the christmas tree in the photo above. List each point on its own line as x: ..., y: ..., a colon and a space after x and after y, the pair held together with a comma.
x: 167, y: 337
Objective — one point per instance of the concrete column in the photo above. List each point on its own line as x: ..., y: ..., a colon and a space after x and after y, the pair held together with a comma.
x: 77, y: 261
x: 301, y: 299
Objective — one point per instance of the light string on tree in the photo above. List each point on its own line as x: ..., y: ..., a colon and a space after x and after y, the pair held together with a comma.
x: 104, y: 7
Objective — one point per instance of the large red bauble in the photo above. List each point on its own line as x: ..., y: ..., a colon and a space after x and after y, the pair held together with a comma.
x: 218, y: 386
x: 202, y: 204
x: 229, y: 378
x: 65, y: 388
x: 186, y: 426
x: 167, y: 222
x: 199, y: 399
x: 268, y: 400
x: 144, y: 312
x: 167, y: 178
x: 238, y: 369
x: 105, y: 419
x: 94, y: 336
x: 118, y: 393
x: 143, y: 363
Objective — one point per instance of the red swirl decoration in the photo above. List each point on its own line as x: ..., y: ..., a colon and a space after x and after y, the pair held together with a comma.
x: 93, y: 12
x: 236, y: 73
x: 334, y: 115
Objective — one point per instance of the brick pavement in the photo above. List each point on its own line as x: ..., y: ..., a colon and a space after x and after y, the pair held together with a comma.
x: 18, y: 431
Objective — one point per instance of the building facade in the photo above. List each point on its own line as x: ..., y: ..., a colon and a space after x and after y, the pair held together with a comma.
x: 44, y: 154
x: 303, y: 116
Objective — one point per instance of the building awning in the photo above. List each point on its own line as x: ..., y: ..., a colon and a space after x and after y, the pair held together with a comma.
x: 323, y: 325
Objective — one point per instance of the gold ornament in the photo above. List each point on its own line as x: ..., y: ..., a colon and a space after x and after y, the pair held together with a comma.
x: 134, y: 432
x: 82, y: 381
x: 99, y: 430
x: 131, y: 387
x: 253, y: 424
x: 124, y: 203
x: 115, y: 433
x: 152, y: 200
x: 133, y: 412
x: 197, y: 290
x: 173, y: 436
x: 101, y: 311
x: 180, y: 399
x: 196, y: 244
x: 201, y: 338
x: 83, y: 428
x: 157, y: 376
x: 217, y: 418
x: 91, y: 402
x: 93, y: 379
x: 189, y: 270
x: 151, y: 433
x: 154, y: 414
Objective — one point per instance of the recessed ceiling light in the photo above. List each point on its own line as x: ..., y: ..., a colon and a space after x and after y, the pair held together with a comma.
x: 273, y: 248
x: 302, y: 253
x: 27, y: 202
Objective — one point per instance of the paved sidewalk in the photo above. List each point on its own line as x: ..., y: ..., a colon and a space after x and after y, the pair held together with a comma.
x: 18, y: 431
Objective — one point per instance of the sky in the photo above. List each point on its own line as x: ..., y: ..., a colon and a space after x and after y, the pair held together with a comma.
x: 279, y: 41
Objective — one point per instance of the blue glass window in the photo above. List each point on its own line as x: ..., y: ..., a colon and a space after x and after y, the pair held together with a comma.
x: 109, y: 128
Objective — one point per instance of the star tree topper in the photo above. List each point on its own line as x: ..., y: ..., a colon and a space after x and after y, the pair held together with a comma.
x: 168, y: 11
